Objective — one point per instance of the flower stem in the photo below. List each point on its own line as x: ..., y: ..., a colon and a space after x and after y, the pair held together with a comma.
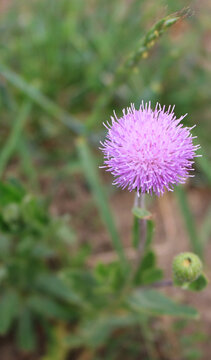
x: 140, y: 202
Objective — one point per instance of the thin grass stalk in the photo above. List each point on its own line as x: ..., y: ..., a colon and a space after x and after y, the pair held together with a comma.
x: 132, y: 61
x: 100, y: 197
x: 14, y: 137
x: 43, y: 101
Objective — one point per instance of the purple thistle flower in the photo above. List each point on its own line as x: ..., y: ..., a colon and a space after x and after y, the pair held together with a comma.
x: 148, y: 151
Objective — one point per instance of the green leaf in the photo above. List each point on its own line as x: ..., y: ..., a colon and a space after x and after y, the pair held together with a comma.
x: 95, y: 333
x: 141, y: 213
x: 60, y: 229
x: 150, y: 232
x: 148, y: 272
x: 26, y: 334
x: 155, y: 303
x: 152, y: 275
x: 47, y: 307
x: 10, y: 193
x: 148, y: 262
x: 8, y: 310
x: 83, y: 281
x: 53, y: 285
x: 198, y: 284
x: 33, y: 211
x: 90, y: 172
x: 110, y: 275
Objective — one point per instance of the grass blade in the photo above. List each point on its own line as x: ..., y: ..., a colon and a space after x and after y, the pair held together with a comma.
x: 189, y: 221
x: 91, y: 174
x: 14, y: 137
x: 205, y: 231
x: 38, y: 98
x: 205, y: 166
x: 140, y: 52
x: 26, y: 162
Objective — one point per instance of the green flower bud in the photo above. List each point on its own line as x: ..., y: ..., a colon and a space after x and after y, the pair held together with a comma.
x: 186, y: 268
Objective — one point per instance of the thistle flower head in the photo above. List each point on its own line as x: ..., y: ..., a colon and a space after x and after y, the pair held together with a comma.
x: 148, y: 150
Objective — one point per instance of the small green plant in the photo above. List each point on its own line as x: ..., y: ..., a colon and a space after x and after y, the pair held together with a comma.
x: 45, y: 283
x: 33, y: 248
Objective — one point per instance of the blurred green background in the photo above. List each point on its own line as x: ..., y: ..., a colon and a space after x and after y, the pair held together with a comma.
x: 60, y: 79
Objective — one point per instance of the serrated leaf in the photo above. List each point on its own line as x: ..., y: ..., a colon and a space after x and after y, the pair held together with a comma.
x: 8, y: 310
x: 155, y: 303
x: 141, y: 213
x: 199, y: 284
x: 26, y: 335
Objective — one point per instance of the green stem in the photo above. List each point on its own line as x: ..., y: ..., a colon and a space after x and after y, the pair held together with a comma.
x: 142, y: 233
x: 142, y: 225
